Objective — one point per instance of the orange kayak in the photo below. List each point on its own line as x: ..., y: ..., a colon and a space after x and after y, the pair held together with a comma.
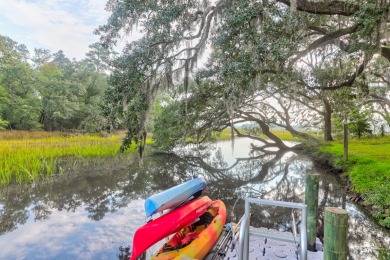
x: 168, y: 224
x: 196, y: 240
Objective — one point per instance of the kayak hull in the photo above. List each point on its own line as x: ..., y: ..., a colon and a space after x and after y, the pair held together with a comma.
x: 170, y: 223
x: 174, y: 196
x: 195, y: 242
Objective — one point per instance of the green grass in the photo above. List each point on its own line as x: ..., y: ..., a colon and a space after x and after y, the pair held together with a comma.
x: 368, y: 168
x: 224, y: 135
x: 25, y: 156
x: 284, y: 135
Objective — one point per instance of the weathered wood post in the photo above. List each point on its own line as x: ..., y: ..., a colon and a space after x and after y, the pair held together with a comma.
x: 335, y: 234
x: 311, y: 200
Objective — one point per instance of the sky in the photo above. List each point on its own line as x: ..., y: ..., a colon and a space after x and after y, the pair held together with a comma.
x: 66, y: 25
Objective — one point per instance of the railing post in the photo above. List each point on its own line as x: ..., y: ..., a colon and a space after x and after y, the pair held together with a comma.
x: 246, y: 241
x: 311, y: 200
x: 242, y: 237
x: 244, y: 227
x: 303, y: 234
x: 335, y: 234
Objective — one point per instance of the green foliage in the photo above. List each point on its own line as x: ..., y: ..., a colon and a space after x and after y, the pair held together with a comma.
x: 259, y: 49
x: 372, y: 180
x: 50, y: 91
x: 25, y: 113
x: 359, y: 122
x: 3, y: 124
x: 71, y: 98
x: 382, y: 253
x: 180, y: 121
x: 369, y: 171
x: 99, y: 58
x: 252, y: 38
x: 11, y: 52
x: 369, y: 16
x: 169, y: 126
x: 337, y: 127
x: 22, y: 107
x: 3, y: 102
x: 124, y: 97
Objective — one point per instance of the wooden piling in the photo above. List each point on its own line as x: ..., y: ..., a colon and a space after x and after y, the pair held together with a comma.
x: 335, y: 234
x: 311, y: 200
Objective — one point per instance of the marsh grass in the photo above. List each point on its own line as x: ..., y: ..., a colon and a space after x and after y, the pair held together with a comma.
x: 282, y: 134
x: 20, y: 135
x: 25, y: 156
x: 223, y: 135
x: 369, y: 171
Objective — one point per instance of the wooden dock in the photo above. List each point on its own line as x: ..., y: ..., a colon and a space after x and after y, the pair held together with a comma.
x: 269, y: 248
x: 263, y: 243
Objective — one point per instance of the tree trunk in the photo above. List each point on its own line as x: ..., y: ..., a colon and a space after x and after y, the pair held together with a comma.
x: 266, y: 131
x: 346, y: 140
x: 327, y: 121
x: 277, y: 142
x: 298, y: 134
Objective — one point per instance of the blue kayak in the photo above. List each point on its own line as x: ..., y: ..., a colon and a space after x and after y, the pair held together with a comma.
x: 174, y: 196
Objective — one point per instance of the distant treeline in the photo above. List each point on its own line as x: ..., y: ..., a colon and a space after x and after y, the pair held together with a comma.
x: 48, y: 91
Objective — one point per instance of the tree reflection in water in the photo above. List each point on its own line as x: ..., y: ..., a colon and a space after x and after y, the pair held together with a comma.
x: 108, y: 188
x: 260, y: 175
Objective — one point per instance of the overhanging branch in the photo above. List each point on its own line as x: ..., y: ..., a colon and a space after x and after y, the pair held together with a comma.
x: 325, y: 7
x: 326, y: 38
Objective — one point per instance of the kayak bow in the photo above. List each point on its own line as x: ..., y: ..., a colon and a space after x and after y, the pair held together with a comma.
x: 170, y: 223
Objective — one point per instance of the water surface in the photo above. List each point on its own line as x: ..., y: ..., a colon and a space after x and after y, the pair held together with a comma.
x: 90, y: 213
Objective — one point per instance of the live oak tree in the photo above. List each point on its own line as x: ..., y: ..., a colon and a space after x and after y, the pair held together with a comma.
x: 376, y: 89
x: 252, y: 43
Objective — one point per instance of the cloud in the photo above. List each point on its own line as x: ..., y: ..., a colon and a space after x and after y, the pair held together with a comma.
x: 72, y: 235
x: 53, y: 24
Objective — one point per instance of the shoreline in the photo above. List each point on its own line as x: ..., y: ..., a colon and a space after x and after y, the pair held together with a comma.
x: 330, y: 162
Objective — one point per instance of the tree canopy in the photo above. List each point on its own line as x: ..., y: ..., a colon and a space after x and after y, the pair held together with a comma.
x: 297, y: 53
x: 48, y: 91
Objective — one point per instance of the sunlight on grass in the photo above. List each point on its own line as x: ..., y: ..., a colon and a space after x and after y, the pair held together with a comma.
x: 26, y: 157
x: 282, y: 134
x: 378, y: 148
x: 369, y: 171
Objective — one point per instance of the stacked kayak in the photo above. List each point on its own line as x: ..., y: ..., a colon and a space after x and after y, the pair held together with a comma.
x: 196, y: 240
x: 174, y: 197
x: 192, y: 225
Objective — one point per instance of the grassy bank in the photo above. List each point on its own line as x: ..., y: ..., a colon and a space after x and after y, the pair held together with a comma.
x: 25, y: 156
x: 368, y: 169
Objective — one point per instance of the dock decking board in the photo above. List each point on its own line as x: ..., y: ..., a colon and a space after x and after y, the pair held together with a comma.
x: 267, y: 248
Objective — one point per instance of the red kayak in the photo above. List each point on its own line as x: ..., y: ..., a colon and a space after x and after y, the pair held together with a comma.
x: 170, y: 223
x: 196, y: 240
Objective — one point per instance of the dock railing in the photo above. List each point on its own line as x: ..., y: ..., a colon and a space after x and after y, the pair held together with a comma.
x: 245, y: 224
